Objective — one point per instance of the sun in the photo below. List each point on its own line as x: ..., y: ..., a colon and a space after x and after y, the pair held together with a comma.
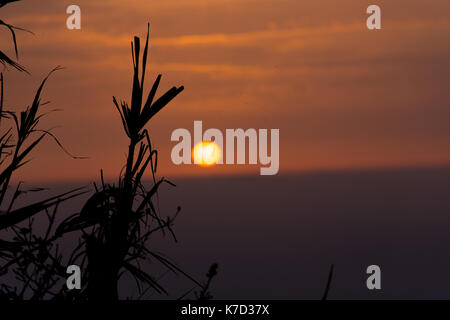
x: 206, y: 153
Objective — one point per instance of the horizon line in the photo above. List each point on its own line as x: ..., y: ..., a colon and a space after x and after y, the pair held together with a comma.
x: 248, y: 174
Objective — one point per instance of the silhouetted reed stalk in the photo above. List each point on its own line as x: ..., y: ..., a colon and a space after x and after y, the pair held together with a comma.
x: 14, y: 148
x: 33, y: 259
x: 204, y: 293
x: 115, y: 223
x: 328, y: 286
x: 4, y: 58
x: 126, y: 223
x: 122, y: 218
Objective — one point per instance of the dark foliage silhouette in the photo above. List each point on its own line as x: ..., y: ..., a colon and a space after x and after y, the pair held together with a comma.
x: 4, y: 58
x: 14, y: 148
x: 33, y: 259
x: 328, y: 286
x: 119, y: 219
x: 113, y: 227
x: 204, y: 293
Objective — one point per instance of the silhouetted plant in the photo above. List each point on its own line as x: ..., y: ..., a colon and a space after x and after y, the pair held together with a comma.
x: 5, y: 59
x: 328, y: 286
x: 14, y: 148
x: 114, y: 225
x: 118, y: 220
x: 36, y: 262
x: 33, y: 259
x: 204, y: 293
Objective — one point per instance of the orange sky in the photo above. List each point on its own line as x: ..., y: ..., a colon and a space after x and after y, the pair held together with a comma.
x: 341, y: 95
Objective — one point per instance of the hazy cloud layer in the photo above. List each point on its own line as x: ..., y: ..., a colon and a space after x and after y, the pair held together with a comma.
x: 342, y: 96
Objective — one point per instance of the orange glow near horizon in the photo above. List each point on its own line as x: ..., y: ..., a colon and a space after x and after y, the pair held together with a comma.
x: 343, y: 96
x: 206, y: 153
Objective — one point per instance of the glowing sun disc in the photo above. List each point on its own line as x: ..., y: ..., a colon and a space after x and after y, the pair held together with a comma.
x: 206, y: 153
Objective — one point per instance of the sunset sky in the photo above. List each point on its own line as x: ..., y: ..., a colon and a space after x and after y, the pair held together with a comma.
x: 342, y: 96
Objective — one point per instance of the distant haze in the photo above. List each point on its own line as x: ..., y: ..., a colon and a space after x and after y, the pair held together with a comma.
x: 276, y: 237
